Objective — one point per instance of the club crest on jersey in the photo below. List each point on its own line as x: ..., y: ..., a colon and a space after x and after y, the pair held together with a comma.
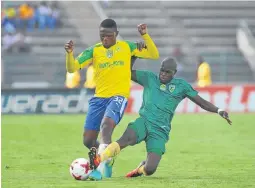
x: 118, y: 49
x: 171, y: 88
x: 109, y: 53
x: 162, y: 87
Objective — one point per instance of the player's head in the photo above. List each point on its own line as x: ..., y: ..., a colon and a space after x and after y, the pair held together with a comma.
x: 167, y: 70
x: 108, y: 32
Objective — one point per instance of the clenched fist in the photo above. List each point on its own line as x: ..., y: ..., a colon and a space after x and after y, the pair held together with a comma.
x: 69, y: 46
x: 142, y: 28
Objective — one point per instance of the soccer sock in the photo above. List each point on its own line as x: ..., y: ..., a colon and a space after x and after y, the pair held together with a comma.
x: 141, y: 170
x: 111, y: 151
x: 101, y: 148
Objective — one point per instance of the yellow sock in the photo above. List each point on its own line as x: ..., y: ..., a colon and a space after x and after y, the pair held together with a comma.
x: 141, y: 170
x: 112, y: 150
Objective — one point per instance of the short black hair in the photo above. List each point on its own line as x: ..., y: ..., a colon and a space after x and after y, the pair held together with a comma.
x: 108, y: 23
x: 171, y: 63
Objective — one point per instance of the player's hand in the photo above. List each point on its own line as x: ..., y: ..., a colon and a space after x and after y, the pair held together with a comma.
x: 141, y: 45
x: 69, y: 46
x: 142, y: 28
x: 224, y: 114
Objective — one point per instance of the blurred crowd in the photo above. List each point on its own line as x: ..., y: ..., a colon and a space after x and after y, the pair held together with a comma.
x: 18, y: 20
x: 203, y: 71
x: 73, y: 80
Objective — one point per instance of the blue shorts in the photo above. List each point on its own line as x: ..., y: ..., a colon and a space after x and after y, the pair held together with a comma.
x: 113, y: 108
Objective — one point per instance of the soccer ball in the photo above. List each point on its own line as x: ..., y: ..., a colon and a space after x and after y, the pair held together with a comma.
x: 79, y: 169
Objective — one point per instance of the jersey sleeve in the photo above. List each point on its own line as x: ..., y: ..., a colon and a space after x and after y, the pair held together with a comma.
x: 143, y: 77
x: 189, y: 90
x: 151, y: 52
x: 85, y: 58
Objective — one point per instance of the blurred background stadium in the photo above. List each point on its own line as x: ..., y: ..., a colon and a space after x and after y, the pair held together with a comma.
x: 33, y: 34
x: 215, y: 48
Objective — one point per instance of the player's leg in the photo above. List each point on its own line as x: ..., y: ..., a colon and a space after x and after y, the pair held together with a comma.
x: 95, y: 114
x: 151, y: 163
x: 113, y: 114
x: 97, y: 107
x: 135, y: 133
x: 102, y: 161
x: 129, y: 138
x: 106, y: 131
x: 155, y: 146
x: 90, y: 138
x: 147, y: 167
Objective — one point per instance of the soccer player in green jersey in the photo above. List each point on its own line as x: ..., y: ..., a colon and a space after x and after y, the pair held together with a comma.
x: 161, y: 96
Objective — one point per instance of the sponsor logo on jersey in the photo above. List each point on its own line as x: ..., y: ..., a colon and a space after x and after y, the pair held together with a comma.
x: 108, y: 64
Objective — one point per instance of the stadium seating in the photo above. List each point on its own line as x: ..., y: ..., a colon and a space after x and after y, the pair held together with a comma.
x: 205, y: 28
x: 199, y: 28
x: 45, y: 64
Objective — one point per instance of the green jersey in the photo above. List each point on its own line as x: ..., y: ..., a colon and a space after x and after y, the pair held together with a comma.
x: 161, y: 100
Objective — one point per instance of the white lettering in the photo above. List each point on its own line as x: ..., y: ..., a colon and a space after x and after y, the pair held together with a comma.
x: 54, y: 104
x: 21, y: 103
x: 79, y: 100
x: 6, y: 106
x: 36, y: 101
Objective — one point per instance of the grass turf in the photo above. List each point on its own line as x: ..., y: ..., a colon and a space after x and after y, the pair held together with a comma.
x: 203, y: 151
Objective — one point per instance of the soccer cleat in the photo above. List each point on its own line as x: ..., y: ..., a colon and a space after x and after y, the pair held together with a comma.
x: 134, y: 173
x: 105, y: 168
x: 108, y: 168
x: 94, y: 158
x: 95, y: 175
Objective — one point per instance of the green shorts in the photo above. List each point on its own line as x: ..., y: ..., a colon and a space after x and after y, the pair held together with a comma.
x: 146, y: 131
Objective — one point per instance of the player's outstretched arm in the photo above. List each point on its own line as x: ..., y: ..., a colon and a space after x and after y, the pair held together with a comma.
x: 206, y: 105
x: 71, y: 64
x: 140, y: 46
x: 151, y: 50
x: 84, y: 59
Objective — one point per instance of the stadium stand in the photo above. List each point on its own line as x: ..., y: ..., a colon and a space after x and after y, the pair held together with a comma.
x: 205, y: 28
x: 44, y: 66
x: 198, y: 28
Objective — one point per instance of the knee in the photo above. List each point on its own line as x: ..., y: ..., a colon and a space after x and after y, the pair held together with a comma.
x: 150, y: 169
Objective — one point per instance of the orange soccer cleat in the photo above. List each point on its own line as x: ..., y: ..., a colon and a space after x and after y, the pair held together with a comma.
x: 94, y: 158
x: 135, y: 173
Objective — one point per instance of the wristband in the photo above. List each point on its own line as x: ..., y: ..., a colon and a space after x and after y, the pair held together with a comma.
x: 220, y: 110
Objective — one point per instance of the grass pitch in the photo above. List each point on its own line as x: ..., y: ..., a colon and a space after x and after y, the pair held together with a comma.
x: 203, y: 151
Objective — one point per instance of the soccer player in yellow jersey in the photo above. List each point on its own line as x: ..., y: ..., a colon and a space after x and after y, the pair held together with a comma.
x: 203, y: 73
x: 112, y: 63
